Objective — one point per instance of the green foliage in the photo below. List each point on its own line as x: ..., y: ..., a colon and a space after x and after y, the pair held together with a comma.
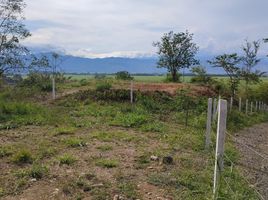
x: 176, y: 51
x: 123, y: 75
x: 129, y: 120
x: 200, y: 75
x: 23, y: 156
x: 5, y: 151
x: 103, y: 86
x: 105, y: 148
x: 64, y: 131
x: 129, y: 189
x: 107, y: 163
x: 38, y: 80
x: 74, y: 142
x: 66, y: 159
x: 38, y: 171
x: 229, y: 63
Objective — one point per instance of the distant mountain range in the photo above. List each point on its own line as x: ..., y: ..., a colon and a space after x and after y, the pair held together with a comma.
x: 146, y: 65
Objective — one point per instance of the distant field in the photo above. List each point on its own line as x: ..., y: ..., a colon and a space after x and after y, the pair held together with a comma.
x: 149, y: 79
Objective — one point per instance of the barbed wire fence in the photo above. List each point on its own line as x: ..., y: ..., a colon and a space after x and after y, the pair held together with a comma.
x: 220, y: 109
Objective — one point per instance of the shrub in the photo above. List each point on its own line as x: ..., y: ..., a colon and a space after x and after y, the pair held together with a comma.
x: 103, y: 86
x: 123, y: 75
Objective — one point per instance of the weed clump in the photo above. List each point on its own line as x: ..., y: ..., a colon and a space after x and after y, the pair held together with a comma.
x: 66, y: 159
x: 106, y: 163
x: 22, y: 157
x: 74, y: 142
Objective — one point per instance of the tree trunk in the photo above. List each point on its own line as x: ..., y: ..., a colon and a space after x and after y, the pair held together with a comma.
x: 174, y: 75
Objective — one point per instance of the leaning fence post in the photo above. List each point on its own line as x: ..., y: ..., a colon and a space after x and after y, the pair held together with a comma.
x: 131, y: 92
x: 209, y: 117
x: 240, y: 104
x: 221, y: 129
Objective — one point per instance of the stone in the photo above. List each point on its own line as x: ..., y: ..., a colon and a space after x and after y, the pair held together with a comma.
x: 167, y: 160
x: 154, y: 158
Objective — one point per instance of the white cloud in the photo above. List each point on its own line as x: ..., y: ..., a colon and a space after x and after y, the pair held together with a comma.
x: 128, y: 27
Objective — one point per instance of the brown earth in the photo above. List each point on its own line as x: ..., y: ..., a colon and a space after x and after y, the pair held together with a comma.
x: 254, y: 161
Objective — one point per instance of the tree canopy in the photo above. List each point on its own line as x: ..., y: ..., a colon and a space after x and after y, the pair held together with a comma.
x: 176, y: 51
x: 12, y: 31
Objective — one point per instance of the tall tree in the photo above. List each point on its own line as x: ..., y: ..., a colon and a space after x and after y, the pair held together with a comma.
x: 12, y: 31
x: 250, y: 60
x: 229, y: 63
x: 176, y: 51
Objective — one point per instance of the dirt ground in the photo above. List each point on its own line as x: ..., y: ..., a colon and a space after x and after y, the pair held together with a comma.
x: 170, y: 88
x: 254, y: 161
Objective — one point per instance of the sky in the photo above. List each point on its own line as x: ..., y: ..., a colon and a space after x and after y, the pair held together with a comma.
x: 127, y: 28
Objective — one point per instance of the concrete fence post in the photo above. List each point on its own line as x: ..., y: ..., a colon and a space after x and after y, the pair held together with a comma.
x: 231, y: 103
x: 246, y: 106
x: 219, y: 155
x: 131, y: 92
x: 209, y: 118
x: 53, y: 88
x: 240, y: 104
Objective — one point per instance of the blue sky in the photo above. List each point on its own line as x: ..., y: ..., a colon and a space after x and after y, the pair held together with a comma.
x: 104, y: 28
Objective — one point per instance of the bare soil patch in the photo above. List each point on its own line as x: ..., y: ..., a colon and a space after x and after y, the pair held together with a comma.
x: 254, y: 166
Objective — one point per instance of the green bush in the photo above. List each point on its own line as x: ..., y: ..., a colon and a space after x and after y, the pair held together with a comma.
x: 103, y: 86
x: 123, y: 75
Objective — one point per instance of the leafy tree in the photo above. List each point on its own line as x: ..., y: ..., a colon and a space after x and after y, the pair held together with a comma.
x: 229, y: 63
x: 250, y: 60
x: 200, y: 75
x: 12, y: 31
x: 123, y: 75
x: 176, y: 51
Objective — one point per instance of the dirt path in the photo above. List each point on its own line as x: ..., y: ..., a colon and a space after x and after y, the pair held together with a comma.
x: 254, y: 160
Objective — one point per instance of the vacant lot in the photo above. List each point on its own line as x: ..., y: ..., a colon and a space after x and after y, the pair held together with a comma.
x: 95, y: 145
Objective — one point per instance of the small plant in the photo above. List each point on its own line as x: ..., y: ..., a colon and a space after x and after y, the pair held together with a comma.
x: 38, y: 171
x: 106, y: 163
x: 23, y: 156
x: 74, y: 142
x: 105, y: 148
x: 66, y: 159
x: 5, y: 152
x: 64, y: 131
x: 129, y: 190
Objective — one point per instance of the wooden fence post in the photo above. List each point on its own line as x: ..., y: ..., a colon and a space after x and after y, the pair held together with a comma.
x: 251, y: 107
x: 219, y: 155
x: 209, y: 117
x: 256, y: 109
x: 240, y: 104
x: 131, y: 92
